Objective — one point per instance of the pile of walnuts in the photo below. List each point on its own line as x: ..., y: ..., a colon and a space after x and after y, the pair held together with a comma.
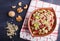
x: 19, y: 10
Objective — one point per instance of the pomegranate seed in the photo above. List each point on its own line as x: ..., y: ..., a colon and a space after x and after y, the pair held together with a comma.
x: 51, y: 24
x: 41, y: 26
x: 42, y: 17
x: 50, y: 20
x: 47, y: 28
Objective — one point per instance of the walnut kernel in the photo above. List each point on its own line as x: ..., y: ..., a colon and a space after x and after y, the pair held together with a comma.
x: 18, y: 19
x: 19, y: 10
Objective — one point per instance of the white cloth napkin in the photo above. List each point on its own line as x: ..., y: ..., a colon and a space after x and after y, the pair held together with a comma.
x: 35, y: 4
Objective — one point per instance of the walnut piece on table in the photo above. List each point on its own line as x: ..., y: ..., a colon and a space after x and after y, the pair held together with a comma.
x: 19, y: 10
x: 20, y: 4
x: 11, y: 13
x: 26, y: 6
x: 18, y: 18
x: 13, y: 7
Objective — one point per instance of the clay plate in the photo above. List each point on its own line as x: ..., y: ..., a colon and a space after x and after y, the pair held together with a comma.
x: 53, y: 27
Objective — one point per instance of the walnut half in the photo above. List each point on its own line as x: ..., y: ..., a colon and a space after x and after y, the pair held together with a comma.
x: 18, y: 18
x: 19, y: 10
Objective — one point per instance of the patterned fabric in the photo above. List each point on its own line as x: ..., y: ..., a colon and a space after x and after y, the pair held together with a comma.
x: 35, y: 4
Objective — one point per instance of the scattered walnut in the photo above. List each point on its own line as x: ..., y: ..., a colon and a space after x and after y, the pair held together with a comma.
x: 18, y: 19
x: 11, y: 13
x: 20, y: 4
x: 19, y: 10
x: 13, y: 6
x: 26, y: 6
